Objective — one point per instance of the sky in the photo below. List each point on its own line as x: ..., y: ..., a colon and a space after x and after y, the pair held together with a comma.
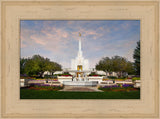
x: 58, y: 39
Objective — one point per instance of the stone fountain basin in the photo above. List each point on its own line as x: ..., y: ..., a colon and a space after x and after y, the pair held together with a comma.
x: 80, y: 83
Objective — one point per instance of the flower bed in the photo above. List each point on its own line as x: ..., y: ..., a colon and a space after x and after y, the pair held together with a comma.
x: 108, y: 87
x: 55, y: 79
x: 105, y: 79
x: 120, y: 79
x: 38, y: 86
x: 127, y: 85
x: 66, y: 75
x: 123, y: 87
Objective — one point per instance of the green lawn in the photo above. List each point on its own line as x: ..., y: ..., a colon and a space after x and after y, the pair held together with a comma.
x: 44, y: 94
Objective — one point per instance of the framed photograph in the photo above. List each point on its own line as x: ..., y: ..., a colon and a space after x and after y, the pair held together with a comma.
x: 54, y: 52
x: 80, y: 59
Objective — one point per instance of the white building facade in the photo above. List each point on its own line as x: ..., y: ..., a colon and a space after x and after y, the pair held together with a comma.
x: 79, y: 63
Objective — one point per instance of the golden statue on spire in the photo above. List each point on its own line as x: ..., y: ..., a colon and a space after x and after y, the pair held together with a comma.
x: 79, y: 34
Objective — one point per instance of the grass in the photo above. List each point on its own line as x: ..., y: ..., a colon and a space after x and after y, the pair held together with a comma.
x: 46, y: 94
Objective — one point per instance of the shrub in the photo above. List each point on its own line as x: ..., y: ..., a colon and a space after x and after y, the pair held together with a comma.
x: 135, y: 78
x: 124, y: 77
x: 112, y: 77
x: 64, y: 74
x: 119, y: 79
x: 94, y: 74
x: 48, y: 76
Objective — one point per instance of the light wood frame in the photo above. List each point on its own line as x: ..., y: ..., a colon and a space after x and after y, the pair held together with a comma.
x: 14, y: 11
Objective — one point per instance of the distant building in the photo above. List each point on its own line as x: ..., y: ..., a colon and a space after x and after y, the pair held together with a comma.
x: 46, y: 73
x: 99, y: 72
x: 112, y: 74
x: 58, y: 72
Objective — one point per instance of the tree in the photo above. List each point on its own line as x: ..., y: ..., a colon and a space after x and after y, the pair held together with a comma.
x: 37, y: 65
x: 136, y: 56
x: 115, y: 64
x: 105, y: 64
x: 130, y: 68
x: 31, y: 67
x: 53, y: 66
x: 119, y: 65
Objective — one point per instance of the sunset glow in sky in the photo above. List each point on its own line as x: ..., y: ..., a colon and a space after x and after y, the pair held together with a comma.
x: 58, y: 40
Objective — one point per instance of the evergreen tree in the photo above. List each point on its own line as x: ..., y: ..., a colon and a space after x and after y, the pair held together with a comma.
x: 136, y: 57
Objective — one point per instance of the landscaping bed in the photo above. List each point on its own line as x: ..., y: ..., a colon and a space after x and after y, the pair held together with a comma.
x: 116, y: 88
x: 39, y: 86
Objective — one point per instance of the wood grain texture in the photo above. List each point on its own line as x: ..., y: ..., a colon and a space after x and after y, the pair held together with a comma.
x: 14, y: 11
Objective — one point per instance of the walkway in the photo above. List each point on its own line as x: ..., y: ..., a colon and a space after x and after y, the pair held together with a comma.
x: 81, y: 89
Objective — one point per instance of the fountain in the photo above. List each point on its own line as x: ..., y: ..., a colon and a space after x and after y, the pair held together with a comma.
x: 81, y: 80
x: 80, y: 67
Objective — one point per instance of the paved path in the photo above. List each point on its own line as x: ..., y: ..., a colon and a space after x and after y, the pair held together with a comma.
x: 81, y: 89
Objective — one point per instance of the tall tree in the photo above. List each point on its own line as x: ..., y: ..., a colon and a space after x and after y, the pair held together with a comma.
x: 105, y: 64
x: 31, y: 67
x: 120, y: 65
x: 130, y: 68
x: 117, y: 64
x: 37, y: 65
x: 136, y: 57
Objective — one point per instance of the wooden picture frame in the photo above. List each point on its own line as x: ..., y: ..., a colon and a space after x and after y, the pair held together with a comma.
x: 13, y: 11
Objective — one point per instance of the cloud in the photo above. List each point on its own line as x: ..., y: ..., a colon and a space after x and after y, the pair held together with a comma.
x: 38, y: 40
x: 58, y: 40
x: 23, y: 45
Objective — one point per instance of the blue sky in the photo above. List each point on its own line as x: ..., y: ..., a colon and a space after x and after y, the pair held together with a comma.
x: 58, y: 40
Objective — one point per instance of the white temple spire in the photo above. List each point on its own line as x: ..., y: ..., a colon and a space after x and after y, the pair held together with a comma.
x: 80, y: 42
x: 79, y: 60
x: 80, y: 50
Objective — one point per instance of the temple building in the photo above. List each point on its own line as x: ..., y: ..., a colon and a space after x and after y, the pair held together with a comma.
x: 79, y: 71
x: 79, y: 63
